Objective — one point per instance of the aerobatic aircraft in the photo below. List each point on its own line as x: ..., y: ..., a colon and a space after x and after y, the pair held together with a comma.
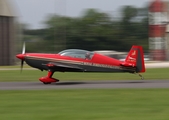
x: 76, y: 60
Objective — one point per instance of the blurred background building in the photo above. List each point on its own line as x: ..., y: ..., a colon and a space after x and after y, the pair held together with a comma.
x: 94, y: 30
x: 167, y: 32
x: 158, y: 20
x: 7, y: 29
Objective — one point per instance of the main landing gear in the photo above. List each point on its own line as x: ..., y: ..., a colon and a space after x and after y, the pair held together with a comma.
x: 48, y: 79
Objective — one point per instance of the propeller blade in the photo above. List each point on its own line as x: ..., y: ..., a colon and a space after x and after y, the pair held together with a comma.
x: 23, y: 52
x: 22, y: 62
x: 23, y: 48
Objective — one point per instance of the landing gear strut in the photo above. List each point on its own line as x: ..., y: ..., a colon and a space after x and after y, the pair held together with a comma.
x: 48, y: 79
x: 142, y: 78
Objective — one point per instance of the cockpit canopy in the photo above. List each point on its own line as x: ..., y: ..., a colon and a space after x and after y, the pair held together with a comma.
x: 77, y: 53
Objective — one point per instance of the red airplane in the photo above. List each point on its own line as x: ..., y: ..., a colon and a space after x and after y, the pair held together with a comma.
x: 76, y: 60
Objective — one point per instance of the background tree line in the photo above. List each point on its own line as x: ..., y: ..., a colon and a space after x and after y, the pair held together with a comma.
x: 93, y: 30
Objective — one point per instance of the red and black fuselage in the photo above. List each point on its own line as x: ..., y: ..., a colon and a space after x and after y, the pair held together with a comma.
x: 74, y: 60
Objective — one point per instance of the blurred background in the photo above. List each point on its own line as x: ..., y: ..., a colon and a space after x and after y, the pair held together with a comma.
x: 109, y: 27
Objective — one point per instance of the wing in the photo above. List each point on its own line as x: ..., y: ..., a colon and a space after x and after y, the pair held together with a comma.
x: 63, y: 67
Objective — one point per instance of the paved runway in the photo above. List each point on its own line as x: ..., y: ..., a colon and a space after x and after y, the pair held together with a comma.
x: 85, y: 85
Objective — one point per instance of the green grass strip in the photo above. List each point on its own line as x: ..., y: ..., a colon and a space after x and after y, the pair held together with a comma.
x: 110, y: 104
x: 33, y: 75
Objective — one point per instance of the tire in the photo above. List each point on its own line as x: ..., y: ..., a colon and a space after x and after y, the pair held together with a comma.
x: 46, y: 83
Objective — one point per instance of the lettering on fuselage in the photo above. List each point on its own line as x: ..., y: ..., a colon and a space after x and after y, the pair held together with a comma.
x: 101, y: 65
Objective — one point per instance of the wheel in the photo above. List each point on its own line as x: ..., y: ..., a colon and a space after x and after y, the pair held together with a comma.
x: 142, y: 78
x: 46, y: 83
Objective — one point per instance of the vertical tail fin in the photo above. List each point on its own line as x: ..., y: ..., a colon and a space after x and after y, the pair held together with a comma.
x: 136, y: 58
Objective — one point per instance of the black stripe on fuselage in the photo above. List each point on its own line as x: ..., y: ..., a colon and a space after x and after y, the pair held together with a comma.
x: 40, y: 63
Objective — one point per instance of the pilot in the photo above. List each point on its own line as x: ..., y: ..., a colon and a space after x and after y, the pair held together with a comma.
x: 87, y: 56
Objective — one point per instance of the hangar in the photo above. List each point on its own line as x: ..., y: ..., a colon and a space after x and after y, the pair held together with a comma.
x: 7, y: 34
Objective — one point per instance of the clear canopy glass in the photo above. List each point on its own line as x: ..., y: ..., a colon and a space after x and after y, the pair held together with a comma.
x: 77, y: 53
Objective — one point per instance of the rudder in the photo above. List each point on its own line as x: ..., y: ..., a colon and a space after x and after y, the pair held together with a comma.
x: 136, y: 58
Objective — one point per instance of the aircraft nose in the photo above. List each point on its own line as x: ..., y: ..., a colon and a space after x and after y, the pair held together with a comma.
x: 20, y: 56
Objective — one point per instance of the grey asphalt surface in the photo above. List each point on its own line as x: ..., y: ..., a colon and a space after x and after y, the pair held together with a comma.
x: 114, y: 84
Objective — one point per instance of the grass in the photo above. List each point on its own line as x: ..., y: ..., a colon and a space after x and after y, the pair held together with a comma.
x: 33, y: 75
x: 110, y: 104
x: 81, y: 104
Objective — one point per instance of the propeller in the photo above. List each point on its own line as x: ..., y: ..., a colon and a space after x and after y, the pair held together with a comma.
x: 22, y: 62
x: 23, y: 48
x: 23, y: 52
